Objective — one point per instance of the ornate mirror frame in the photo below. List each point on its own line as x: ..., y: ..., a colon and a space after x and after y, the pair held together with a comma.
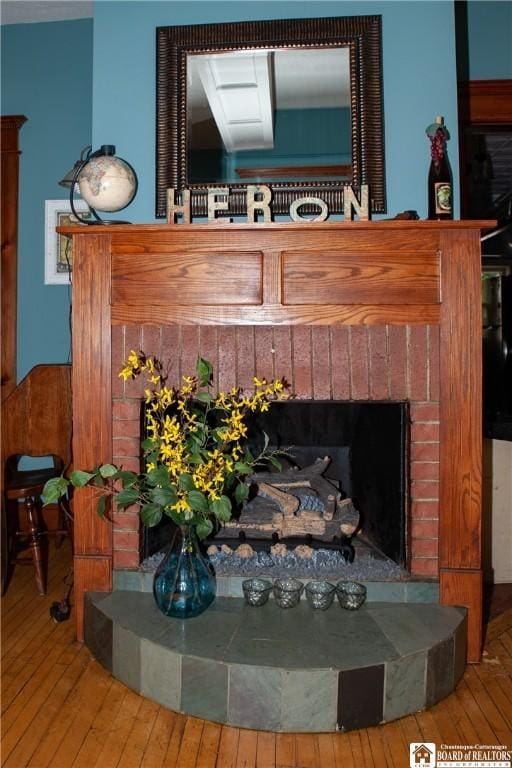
x: 361, y: 34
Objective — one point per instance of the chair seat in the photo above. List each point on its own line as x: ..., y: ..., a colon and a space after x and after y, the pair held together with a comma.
x: 28, y: 482
x: 36, y: 422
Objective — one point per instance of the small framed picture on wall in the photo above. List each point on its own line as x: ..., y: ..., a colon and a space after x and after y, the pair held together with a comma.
x: 58, y: 249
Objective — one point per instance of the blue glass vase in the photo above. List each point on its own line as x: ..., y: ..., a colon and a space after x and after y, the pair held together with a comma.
x: 184, y: 583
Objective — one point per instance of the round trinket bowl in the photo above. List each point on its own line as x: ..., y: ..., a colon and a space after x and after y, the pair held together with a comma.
x: 351, y: 595
x: 256, y: 591
x: 320, y: 594
x: 287, y: 592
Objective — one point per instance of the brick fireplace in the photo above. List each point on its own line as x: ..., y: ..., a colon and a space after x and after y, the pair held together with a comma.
x: 362, y: 311
x: 342, y: 363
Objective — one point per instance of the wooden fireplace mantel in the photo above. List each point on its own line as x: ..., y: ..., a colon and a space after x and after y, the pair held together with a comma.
x: 371, y: 273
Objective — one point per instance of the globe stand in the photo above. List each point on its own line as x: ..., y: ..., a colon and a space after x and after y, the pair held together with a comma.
x: 108, y: 150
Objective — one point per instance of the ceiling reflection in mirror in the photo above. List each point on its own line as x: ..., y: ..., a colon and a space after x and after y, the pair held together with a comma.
x: 269, y: 115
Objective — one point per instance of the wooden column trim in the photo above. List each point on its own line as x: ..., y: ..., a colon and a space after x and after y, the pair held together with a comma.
x: 460, y: 531
x: 92, y: 410
x: 465, y: 587
x: 10, y: 126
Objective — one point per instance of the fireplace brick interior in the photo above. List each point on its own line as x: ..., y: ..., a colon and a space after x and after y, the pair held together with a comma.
x: 352, y: 363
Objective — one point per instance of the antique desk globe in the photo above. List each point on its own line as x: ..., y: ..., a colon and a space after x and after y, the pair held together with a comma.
x: 106, y: 183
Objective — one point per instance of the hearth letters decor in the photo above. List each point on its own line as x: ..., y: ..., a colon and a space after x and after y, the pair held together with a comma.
x: 258, y: 203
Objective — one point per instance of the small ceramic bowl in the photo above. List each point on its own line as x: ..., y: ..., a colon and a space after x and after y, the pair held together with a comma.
x: 256, y: 591
x: 287, y: 592
x: 320, y: 594
x: 351, y: 595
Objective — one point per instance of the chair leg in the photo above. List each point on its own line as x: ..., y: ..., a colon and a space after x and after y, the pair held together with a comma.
x: 67, y: 516
x: 4, y: 544
x: 61, y: 525
x: 34, y: 536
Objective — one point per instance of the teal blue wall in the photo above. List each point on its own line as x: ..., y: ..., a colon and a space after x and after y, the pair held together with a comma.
x: 490, y: 39
x: 418, y: 64
x: 46, y: 76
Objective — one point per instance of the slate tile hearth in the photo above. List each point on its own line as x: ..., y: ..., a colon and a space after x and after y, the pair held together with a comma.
x: 405, y: 685
x: 360, y: 697
x: 290, y: 670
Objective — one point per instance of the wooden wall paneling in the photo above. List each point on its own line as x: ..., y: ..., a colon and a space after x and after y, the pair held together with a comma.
x: 461, y: 425
x: 10, y: 126
x: 92, y: 410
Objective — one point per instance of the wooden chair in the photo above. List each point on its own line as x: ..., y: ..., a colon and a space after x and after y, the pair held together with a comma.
x: 36, y: 422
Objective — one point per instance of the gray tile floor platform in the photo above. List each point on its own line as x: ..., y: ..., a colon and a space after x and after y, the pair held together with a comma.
x: 282, y: 670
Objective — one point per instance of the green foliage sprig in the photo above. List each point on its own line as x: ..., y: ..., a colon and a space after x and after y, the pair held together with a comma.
x: 195, y: 451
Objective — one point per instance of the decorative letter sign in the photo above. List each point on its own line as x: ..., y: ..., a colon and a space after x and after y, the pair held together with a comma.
x: 217, y: 205
x: 258, y: 199
x: 352, y: 205
x: 294, y: 209
x: 175, y: 209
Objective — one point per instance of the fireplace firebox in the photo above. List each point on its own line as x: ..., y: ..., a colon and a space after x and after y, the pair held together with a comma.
x: 367, y: 444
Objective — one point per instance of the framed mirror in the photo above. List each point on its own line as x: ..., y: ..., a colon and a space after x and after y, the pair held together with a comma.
x: 293, y: 104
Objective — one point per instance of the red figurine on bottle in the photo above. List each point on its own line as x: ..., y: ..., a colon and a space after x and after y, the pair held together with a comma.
x: 440, y: 176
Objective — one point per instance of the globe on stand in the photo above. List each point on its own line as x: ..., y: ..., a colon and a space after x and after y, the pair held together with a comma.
x: 106, y: 182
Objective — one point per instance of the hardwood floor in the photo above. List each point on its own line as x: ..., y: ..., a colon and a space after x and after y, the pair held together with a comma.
x: 61, y: 709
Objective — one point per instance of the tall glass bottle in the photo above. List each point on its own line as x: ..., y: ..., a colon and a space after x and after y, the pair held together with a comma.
x: 440, y: 202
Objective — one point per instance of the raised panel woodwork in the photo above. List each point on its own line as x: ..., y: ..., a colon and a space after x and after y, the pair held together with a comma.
x: 188, y: 278
x: 335, y: 277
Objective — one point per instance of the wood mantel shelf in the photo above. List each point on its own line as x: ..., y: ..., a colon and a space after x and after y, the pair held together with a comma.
x: 274, y: 226
x: 392, y: 272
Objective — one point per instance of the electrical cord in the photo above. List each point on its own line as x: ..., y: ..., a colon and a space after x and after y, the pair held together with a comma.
x: 61, y: 610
